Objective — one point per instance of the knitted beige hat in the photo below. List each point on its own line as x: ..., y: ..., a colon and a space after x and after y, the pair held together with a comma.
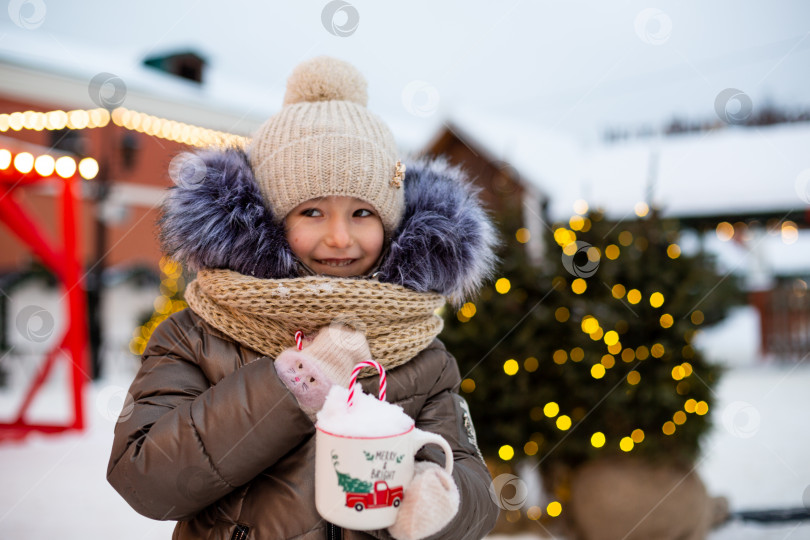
x: 325, y: 142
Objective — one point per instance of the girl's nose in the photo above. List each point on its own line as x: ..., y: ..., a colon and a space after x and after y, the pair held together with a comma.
x: 339, y: 234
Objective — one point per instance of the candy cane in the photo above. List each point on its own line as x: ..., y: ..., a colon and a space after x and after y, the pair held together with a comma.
x: 356, y: 371
x: 299, y: 339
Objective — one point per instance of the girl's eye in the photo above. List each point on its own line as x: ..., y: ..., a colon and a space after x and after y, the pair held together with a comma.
x: 363, y: 213
x: 311, y: 212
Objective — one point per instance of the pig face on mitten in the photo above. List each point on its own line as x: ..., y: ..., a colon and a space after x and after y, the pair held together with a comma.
x: 302, y: 376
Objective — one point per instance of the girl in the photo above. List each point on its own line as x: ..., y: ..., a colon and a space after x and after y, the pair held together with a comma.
x: 317, y: 228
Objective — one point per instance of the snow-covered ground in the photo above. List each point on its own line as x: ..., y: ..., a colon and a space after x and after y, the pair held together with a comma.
x: 757, y: 456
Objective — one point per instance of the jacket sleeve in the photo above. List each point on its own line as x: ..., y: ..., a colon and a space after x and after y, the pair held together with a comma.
x: 181, y: 444
x: 445, y: 412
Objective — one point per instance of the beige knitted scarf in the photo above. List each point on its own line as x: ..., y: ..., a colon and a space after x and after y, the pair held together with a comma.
x: 264, y: 314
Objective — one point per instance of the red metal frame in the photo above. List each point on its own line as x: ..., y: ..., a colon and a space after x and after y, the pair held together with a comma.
x: 64, y: 261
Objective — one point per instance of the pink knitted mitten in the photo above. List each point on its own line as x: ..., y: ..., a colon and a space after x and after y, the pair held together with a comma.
x: 328, y: 359
x: 430, y: 502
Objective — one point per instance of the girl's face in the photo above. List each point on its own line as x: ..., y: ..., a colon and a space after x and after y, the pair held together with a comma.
x: 337, y: 235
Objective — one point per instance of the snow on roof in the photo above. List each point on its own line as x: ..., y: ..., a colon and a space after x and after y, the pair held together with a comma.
x: 29, y: 60
x: 726, y: 171
x: 544, y: 156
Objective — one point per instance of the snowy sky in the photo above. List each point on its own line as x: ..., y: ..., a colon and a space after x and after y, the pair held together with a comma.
x: 570, y: 66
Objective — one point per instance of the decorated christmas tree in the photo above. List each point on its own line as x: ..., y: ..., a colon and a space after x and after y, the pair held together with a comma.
x: 348, y: 483
x: 170, y: 300
x: 592, y: 352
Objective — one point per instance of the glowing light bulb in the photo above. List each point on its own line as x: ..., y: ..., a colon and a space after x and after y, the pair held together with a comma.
x: 88, y: 168
x: 673, y: 251
x: 523, y: 235
x: 503, y: 285
x: 65, y: 166
x: 468, y: 310
x: 551, y: 409
x: 580, y: 206
x: 5, y: 159
x: 24, y: 162
x: 642, y: 209
x: 44, y: 165
x: 563, y: 422
x: 589, y: 324
x: 611, y: 337
x: 506, y: 452
x: 725, y: 231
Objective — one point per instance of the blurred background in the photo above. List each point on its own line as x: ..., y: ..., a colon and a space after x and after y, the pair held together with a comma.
x: 647, y: 163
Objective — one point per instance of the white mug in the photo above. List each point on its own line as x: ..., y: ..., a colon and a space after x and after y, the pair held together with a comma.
x: 361, y: 481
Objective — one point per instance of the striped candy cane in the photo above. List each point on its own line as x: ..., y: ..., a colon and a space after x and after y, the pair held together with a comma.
x: 299, y: 339
x: 356, y: 371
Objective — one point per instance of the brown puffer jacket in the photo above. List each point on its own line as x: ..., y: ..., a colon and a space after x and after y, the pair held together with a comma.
x: 214, y: 439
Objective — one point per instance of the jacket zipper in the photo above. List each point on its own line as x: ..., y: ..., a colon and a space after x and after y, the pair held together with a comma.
x: 240, y: 532
x: 333, y: 532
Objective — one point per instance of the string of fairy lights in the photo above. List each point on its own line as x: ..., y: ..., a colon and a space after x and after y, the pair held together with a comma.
x: 148, y: 124
x: 45, y: 166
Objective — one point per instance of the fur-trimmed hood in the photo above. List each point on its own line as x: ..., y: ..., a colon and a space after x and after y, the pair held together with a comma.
x: 215, y: 217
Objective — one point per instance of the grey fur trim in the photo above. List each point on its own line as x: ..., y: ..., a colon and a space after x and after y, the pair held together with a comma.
x: 214, y: 217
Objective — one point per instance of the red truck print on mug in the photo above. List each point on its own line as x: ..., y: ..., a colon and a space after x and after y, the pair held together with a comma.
x: 381, y: 497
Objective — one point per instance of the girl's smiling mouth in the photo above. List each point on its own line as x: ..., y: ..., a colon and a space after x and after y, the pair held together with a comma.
x: 335, y: 262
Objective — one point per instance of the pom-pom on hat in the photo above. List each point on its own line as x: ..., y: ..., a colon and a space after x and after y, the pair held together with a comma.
x: 325, y: 142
